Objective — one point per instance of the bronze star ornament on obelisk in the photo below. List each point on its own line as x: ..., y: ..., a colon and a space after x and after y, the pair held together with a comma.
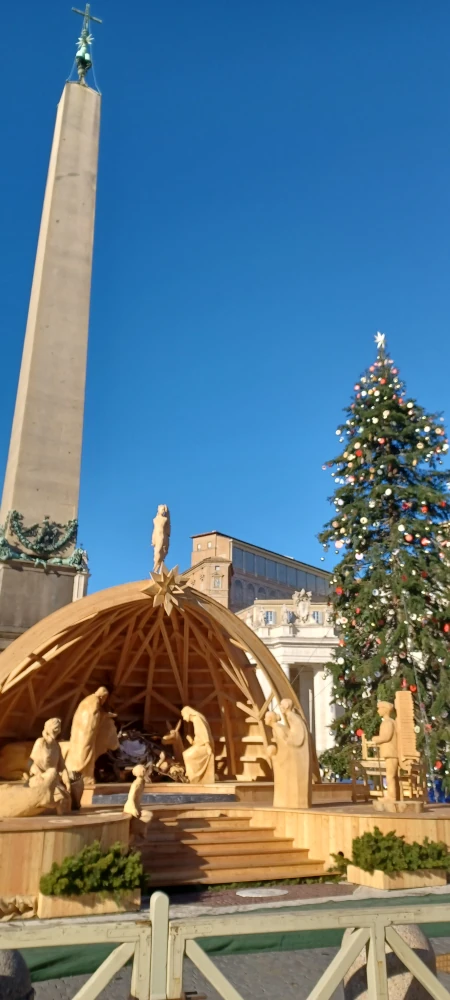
x: 41, y: 569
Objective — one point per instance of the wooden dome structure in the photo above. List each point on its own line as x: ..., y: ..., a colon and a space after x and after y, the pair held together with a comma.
x: 156, y: 645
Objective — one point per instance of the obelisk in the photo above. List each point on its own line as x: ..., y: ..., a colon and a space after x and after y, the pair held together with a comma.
x: 40, y: 567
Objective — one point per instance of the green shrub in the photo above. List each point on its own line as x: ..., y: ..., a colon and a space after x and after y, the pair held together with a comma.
x: 94, y: 870
x: 389, y: 853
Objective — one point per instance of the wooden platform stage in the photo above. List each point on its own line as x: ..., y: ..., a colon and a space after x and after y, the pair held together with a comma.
x: 29, y: 846
x: 202, y: 844
x: 330, y: 828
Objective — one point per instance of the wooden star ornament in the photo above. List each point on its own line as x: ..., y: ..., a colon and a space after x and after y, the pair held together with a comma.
x: 166, y: 588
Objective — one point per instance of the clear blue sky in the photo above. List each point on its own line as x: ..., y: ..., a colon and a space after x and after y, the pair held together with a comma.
x: 274, y: 187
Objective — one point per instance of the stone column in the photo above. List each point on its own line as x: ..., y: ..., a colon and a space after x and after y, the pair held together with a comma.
x: 325, y: 712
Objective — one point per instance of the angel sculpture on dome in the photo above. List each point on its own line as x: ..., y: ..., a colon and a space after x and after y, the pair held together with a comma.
x: 160, y: 537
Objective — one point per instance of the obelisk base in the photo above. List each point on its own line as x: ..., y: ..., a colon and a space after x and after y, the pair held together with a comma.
x: 29, y: 593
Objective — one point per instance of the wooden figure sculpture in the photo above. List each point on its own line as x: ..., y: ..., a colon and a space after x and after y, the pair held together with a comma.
x: 160, y: 537
x: 93, y: 732
x: 387, y: 741
x: 290, y: 757
x: 46, y: 753
x: 133, y: 804
x: 173, y: 738
x: 199, y: 757
x: 23, y: 800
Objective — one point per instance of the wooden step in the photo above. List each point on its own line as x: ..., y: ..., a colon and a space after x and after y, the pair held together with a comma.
x: 208, y: 862
x: 184, y: 848
x: 189, y: 876
x: 174, y: 814
x: 252, y: 836
x: 209, y: 836
x: 212, y: 824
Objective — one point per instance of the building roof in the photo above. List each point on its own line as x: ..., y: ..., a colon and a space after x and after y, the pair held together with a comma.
x: 269, y: 552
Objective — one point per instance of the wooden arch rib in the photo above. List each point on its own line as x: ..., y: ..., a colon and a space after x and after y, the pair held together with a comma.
x: 152, y: 664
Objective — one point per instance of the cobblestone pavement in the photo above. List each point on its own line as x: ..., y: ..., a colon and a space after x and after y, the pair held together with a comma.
x: 287, y: 975
x: 229, y: 897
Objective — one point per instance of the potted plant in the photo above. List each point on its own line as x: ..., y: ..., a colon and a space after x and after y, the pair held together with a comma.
x: 93, y: 881
x: 386, y: 861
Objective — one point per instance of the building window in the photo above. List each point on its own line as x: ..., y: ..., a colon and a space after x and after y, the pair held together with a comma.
x: 199, y: 545
x: 301, y: 580
x: 318, y: 617
x: 209, y: 545
x: 238, y: 557
x: 238, y: 593
x: 271, y: 569
x: 250, y: 593
x: 217, y: 582
x: 217, y: 569
x: 291, y: 576
x: 260, y: 566
x: 261, y: 593
x: 271, y: 617
x: 249, y: 563
x: 281, y: 572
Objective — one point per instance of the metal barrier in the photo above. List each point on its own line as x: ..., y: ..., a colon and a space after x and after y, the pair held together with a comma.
x: 158, y: 945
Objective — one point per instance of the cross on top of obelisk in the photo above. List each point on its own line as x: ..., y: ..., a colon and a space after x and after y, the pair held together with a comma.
x: 83, y: 56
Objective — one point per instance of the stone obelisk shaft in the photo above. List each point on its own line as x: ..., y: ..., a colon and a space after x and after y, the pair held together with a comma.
x: 43, y: 470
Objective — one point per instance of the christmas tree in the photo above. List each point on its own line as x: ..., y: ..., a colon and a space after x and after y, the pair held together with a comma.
x: 390, y: 588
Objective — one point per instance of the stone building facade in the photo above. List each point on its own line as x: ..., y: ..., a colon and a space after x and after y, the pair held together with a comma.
x: 299, y: 633
x: 237, y: 574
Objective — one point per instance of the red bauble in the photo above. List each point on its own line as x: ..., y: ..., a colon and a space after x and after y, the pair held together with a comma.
x: 413, y: 687
x: 424, y: 574
x: 438, y: 765
x: 404, y: 682
x: 382, y: 381
x: 424, y: 509
x: 360, y: 732
x: 342, y: 642
x: 339, y: 591
x: 409, y: 538
x: 381, y: 440
x: 424, y: 541
x: 358, y: 453
x: 358, y: 611
x: 446, y: 627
